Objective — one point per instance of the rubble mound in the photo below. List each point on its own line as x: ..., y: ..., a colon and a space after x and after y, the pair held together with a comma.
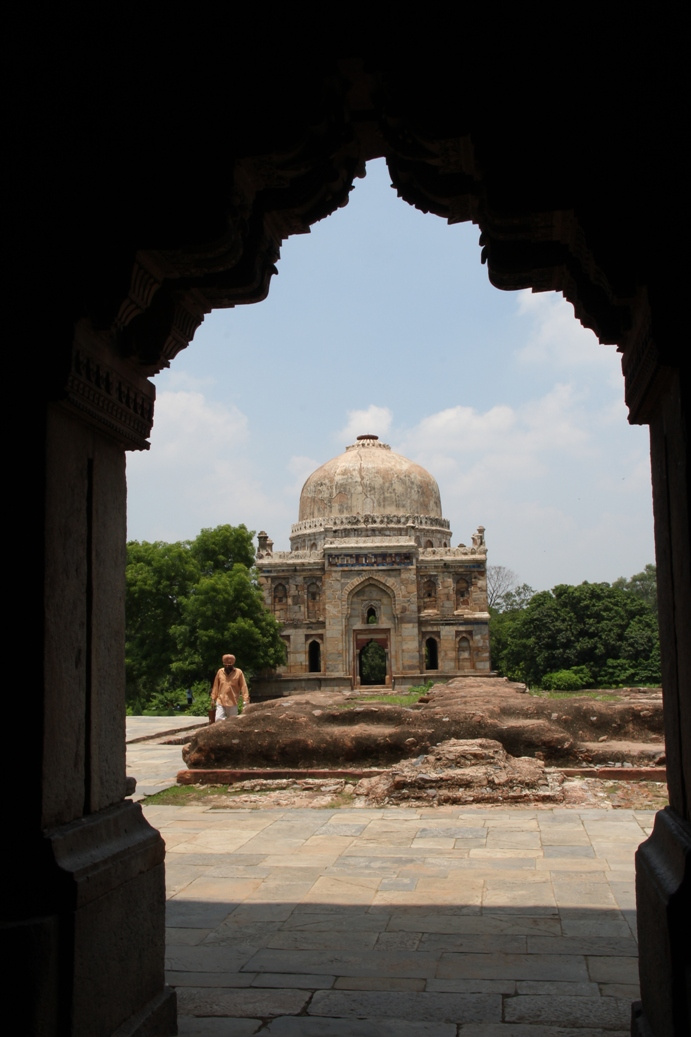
x: 477, y: 770
x: 327, y: 729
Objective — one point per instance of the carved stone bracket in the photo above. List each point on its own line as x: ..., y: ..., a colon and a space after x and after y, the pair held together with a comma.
x: 642, y: 370
x: 109, y: 393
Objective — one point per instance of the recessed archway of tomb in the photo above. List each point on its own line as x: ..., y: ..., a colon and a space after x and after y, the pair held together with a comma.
x: 370, y: 600
x: 525, y: 243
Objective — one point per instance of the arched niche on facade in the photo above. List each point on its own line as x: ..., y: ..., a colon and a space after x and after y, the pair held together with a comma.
x: 314, y: 656
x: 313, y: 599
x: 431, y: 653
x: 280, y: 598
x: 429, y: 595
x: 464, y: 653
x: 370, y: 592
x: 462, y: 594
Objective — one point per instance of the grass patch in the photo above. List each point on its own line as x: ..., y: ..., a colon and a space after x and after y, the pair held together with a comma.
x: 341, y: 799
x: 184, y: 795
x: 407, y: 698
x: 389, y: 700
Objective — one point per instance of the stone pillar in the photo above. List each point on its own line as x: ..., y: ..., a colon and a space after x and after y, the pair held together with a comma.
x: 447, y: 649
x: 663, y: 862
x: 408, y: 623
x: 86, y: 890
x: 336, y: 652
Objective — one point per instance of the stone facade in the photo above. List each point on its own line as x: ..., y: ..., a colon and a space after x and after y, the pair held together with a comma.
x: 366, y: 565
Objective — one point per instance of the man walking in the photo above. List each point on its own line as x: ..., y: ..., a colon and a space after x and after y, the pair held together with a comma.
x: 229, y: 686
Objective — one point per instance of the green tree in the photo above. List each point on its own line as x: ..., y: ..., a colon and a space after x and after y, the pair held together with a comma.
x: 592, y: 625
x: 226, y: 612
x: 502, y: 617
x: 159, y: 577
x: 643, y: 585
x: 517, y: 598
x: 189, y: 602
x: 219, y: 549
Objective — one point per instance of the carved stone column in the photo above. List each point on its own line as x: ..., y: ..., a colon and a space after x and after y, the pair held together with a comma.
x: 660, y: 394
x: 88, y: 892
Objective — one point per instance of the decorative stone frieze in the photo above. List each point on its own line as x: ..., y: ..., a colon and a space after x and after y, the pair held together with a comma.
x: 108, y: 393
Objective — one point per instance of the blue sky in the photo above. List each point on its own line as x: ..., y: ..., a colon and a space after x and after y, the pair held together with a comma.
x: 383, y: 320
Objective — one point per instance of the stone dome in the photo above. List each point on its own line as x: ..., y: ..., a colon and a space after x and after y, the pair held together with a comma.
x: 369, y: 479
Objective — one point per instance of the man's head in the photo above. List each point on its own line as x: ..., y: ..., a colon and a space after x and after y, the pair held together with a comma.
x: 229, y: 661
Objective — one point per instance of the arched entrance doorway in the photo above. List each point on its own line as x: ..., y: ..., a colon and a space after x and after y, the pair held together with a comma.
x: 137, y: 270
x: 372, y: 647
x: 372, y: 662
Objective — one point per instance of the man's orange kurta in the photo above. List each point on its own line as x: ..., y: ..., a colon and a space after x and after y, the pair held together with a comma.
x: 229, y: 687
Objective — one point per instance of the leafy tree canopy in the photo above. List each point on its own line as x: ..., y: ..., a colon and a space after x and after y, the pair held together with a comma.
x: 219, y: 549
x: 643, y: 584
x: 593, y: 633
x: 189, y: 602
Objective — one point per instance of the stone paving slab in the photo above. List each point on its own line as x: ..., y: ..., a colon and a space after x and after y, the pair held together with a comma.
x: 417, y: 1007
x: 607, y: 1012
x: 190, y: 1026
x: 569, y: 967
x: 394, y: 927
x: 153, y: 764
x: 319, y: 1027
x: 239, y: 1003
x: 534, y: 1030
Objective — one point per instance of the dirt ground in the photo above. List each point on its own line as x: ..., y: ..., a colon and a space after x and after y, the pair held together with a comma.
x: 520, y: 743
x: 334, y: 793
x: 318, y: 729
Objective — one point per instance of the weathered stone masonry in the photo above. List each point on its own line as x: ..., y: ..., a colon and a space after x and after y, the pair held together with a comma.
x: 371, y: 559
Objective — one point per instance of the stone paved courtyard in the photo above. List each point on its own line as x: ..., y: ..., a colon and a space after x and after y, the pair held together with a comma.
x: 394, y: 922
x: 476, y: 922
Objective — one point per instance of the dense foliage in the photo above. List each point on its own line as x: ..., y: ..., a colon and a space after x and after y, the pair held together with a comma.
x: 187, y: 603
x: 590, y: 635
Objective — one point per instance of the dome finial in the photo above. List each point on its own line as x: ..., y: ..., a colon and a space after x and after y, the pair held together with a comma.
x: 368, y: 436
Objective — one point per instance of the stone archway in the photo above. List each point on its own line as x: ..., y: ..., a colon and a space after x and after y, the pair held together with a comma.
x: 373, y: 660
x: 314, y: 656
x: 145, y: 246
x: 431, y: 653
x: 366, y: 599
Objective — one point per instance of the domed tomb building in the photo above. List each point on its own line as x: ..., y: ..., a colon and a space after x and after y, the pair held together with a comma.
x: 371, y: 591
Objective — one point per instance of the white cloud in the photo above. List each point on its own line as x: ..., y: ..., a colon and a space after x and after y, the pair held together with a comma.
x: 184, y: 420
x: 556, y: 340
x: 176, y: 380
x: 550, y: 479
x: 372, y: 420
x: 195, y: 474
x: 300, y: 468
x: 522, y: 423
x: 465, y: 426
x: 511, y: 441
